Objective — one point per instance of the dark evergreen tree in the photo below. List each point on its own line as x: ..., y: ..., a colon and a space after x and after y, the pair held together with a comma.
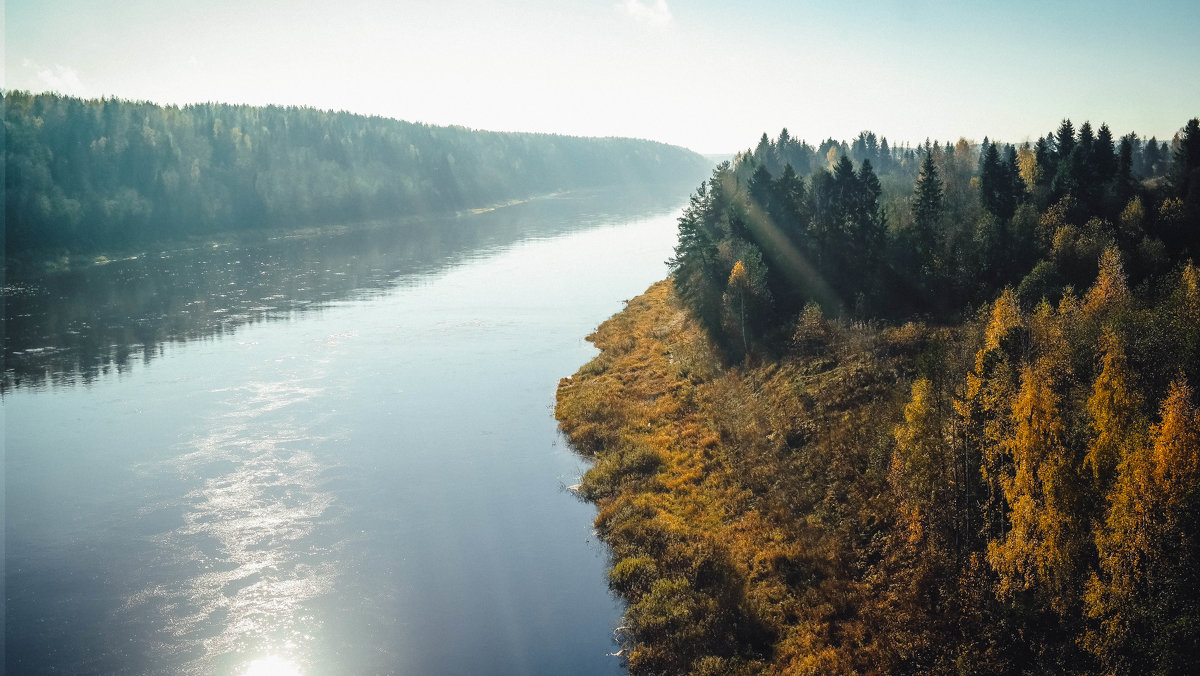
x: 1124, y: 183
x: 1047, y: 164
x: 1151, y: 159
x: 764, y: 153
x: 868, y: 237
x: 792, y: 200
x: 697, y: 268
x: 927, y: 217
x: 1185, y: 178
x: 995, y: 184
x: 1016, y: 185
x: 1064, y: 140
x: 1104, y: 155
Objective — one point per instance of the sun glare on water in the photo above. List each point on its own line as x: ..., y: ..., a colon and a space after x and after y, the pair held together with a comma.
x: 272, y: 666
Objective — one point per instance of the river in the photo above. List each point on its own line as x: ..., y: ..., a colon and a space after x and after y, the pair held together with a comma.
x: 327, y: 453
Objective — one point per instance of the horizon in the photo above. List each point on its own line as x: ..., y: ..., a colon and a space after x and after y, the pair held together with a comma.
x: 637, y: 68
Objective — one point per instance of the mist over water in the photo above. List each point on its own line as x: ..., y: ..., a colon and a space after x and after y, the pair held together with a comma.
x: 324, y: 454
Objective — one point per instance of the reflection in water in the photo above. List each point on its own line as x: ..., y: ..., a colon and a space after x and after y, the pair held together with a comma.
x: 71, y: 328
x: 374, y: 489
x: 272, y: 666
x: 247, y: 536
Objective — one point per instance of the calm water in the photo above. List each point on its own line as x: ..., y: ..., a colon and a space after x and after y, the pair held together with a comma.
x: 328, y: 454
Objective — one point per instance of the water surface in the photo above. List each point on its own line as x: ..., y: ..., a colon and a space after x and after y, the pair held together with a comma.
x: 322, y: 454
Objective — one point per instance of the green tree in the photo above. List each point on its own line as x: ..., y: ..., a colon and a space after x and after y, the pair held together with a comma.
x: 997, y: 182
x: 927, y: 217
x: 1185, y: 176
x: 1064, y: 140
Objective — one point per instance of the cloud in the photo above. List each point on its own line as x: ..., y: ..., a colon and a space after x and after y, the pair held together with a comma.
x: 61, y: 79
x: 652, y: 12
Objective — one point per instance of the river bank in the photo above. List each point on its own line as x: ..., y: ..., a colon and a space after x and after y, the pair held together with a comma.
x: 748, y: 509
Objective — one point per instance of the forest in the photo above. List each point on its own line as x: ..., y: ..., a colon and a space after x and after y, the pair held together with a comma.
x: 94, y: 175
x: 911, y: 410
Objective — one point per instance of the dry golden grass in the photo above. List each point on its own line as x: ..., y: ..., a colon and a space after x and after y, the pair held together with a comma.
x: 739, y: 498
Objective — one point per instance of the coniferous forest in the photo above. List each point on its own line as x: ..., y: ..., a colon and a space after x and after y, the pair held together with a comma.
x: 96, y: 175
x: 911, y: 410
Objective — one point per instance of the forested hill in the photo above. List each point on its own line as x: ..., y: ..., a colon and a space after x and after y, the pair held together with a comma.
x: 911, y: 411
x: 86, y: 175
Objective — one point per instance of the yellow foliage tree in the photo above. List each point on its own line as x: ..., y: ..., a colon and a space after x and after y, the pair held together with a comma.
x: 1113, y: 408
x: 1036, y: 550
x: 1189, y: 291
x: 1147, y: 547
x: 1176, y: 459
x: 1027, y: 167
x: 1110, y: 289
x: 1171, y: 211
x: 1133, y: 218
x: 739, y: 283
x: 918, y: 468
x: 982, y: 420
x: 1006, y: 315
x: 831, y: 157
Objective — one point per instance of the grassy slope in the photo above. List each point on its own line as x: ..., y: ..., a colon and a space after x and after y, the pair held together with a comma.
x: 747, y: 508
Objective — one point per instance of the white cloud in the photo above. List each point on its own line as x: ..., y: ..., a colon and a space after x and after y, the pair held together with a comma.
x: 61, y: 79
x: 653, y: 12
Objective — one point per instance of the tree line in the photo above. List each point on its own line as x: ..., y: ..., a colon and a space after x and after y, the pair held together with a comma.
x: 872, y: 230
x: 95, y: 174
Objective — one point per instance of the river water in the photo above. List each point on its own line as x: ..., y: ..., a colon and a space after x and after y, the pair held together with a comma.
x: 327, y: 453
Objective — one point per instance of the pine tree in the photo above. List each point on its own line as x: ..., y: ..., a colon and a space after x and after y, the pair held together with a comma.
x: 1124, y: 184
x: 1016, y: 184
x: 1151, y: 159
x: 1104, y: 155
x: 1185, y: 174
x: 993, y: 183
x: 927, y: 209
x: 695, y: 268
x: 1064, y: 140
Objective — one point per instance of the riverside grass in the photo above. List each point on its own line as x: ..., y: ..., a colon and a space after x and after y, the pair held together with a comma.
x: 747, y: 508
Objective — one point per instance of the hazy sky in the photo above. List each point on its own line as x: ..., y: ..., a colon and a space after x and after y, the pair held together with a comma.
x: 709, y: 75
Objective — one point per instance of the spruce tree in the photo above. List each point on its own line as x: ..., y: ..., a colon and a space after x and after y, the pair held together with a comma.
x: 993, y: 183
x: 1012, y: 168
x: 927, y: 212
x: 1104, y: 156
x: 1185, y: 168
x: 1064, y: 140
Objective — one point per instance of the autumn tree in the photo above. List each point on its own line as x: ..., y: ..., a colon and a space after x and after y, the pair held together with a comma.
x: 1143, y: 598
x: 1114, y: 408
x: 1038, y: 551
x: 1110, y: 291
x: 746, y: 299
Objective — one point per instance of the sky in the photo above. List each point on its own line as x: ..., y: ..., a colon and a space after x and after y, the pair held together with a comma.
x: 708, y: 75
